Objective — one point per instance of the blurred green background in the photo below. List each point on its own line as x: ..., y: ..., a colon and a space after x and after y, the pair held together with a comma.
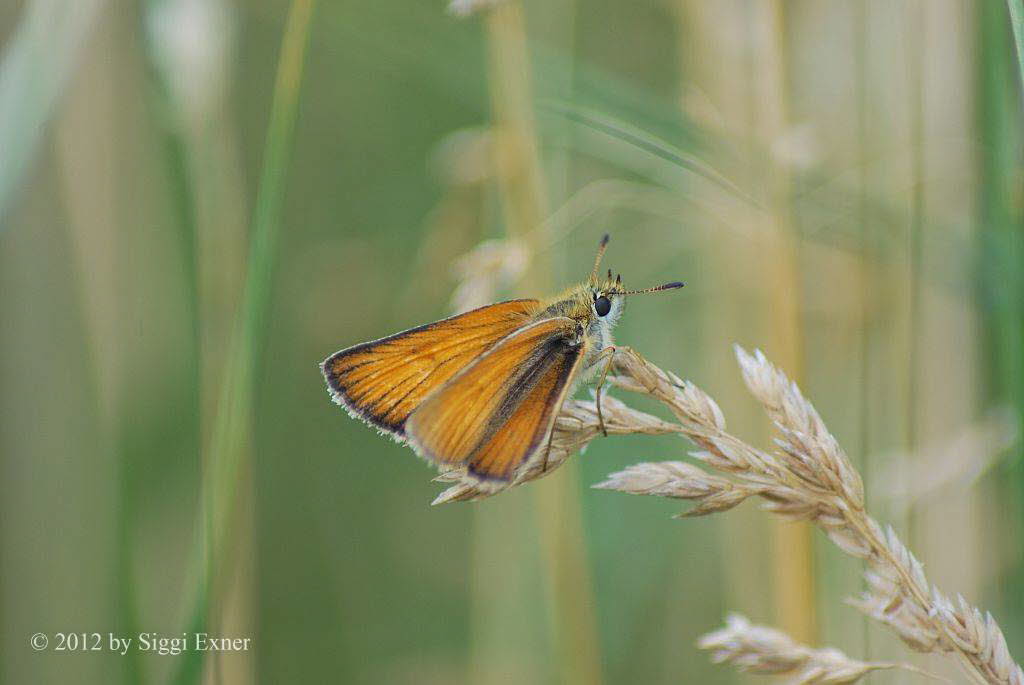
x: 181, y: 242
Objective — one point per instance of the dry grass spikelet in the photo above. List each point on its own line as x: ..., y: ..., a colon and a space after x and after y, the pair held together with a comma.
x: 763, y: 650
x: 809, y: 477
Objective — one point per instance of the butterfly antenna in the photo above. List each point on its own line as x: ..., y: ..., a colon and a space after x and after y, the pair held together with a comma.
x: 658, y: 288
x: 597, y: 260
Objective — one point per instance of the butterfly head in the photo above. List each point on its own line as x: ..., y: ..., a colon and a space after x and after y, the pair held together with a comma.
x: 601, y: 300
x: 605, y: 299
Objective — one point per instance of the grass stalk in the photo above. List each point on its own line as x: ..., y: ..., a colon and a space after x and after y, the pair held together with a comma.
x: 516, y: 171
x: 231, y: 433
x: 520, y: 178
x: 525, y: 206
x: 865, y: 233
x: 915, y: 403
x: 182, y: 199
x: 710, y: 65
x: 793, y: 553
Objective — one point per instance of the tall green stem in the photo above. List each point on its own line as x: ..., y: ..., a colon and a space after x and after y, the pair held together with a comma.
x: 232, y: 427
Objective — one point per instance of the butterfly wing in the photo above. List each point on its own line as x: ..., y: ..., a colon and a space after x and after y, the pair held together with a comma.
x: 498, y: 412
x: 383, y: 381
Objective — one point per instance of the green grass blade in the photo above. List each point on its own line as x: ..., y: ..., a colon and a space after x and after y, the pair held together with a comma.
x: 165, y: 111
x: 231, y: 430
x: 1001, y: 249
x: 650, y: 144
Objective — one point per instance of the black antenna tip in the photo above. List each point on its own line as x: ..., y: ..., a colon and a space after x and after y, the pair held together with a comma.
x: 605, y: 239
x: 673, y: 284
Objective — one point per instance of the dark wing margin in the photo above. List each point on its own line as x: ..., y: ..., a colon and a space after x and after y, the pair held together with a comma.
x: 382, y: 381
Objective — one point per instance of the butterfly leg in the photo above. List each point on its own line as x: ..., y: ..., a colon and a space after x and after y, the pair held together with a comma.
x: 611, y: 350
x: 547, y: 452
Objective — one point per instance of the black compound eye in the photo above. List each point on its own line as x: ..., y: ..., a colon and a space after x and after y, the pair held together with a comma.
x: 602, y: 305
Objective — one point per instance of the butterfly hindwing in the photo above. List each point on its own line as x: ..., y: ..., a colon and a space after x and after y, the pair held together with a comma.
x: 497, y: 413
x: 383, y: 381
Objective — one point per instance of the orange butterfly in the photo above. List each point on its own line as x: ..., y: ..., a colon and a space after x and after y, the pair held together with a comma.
x: 480, y: 391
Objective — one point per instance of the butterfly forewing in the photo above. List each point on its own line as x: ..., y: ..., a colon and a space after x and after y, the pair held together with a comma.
x: 383, y: 381
x: 497, y: 414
